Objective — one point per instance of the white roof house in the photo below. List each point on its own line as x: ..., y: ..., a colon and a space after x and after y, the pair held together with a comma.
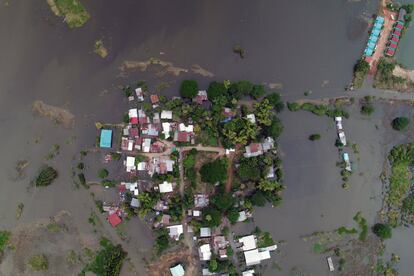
x: 133, y: 113
x: 130, y: 163
x: 249, y: 272
x: 251, y: 118
x: 254, y: 257
x: 242, y: 216
x: 165, y: 187
x: 347, y: 162
x: 338, y: 121
x: 174, y: 231
x: 342, y: 137
x: 229, y: 151
x: 135, y: 202
x: 196, y: 213
x: 182, y: 127
x: 166, y: 128
x: 140, y: 94
x: 249, y: 242
x: 205, y: 252
x: 177, y: 270
x: 142, y: 166
x: 166, y: 115
x: 205, y: 232
x: 146, y: 145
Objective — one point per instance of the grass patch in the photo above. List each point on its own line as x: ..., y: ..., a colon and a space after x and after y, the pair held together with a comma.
x: 4, y: 240
x: 108, y: 260
x: 39, y: 262
x: 384, y: 77
x: 319, y: 109
x: 19, y: 210
x: 363, y: 226
x: 348, y: 231
x: 318, y: 248
x: 73, y: 12
x: 100, y: 49
x: 53, y: 227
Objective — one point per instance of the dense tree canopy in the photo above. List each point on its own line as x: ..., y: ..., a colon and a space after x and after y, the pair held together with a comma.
x: 212, y: 217
x: 249, y: 169
x: 240, y: 131
x: 400, y: 123
x: 215, y: 171
x: 263, y: 112
x: 189, y: 89
x: 276, y: 101
x: 382, y: 230
x: 245, y: 87
x: 223, y: 201
x: 257, y: 91
x: 275, y: 128
x: 216, y: 89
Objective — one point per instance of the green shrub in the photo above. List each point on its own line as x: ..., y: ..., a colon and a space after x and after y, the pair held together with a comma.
x: 4, y: 240
x: 293, y: 106
x: 400, y: 123
x: 215, y: 171
x: 367, y: 109
x: 189, y: 89
x: 382, y: 230
x: 103, y: 173
x: 46, y: 177
x: 315, y: 137
x: 39, y: 262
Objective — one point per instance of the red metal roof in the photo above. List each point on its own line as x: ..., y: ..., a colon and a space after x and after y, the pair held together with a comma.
x: 133, y: 120
x: 182, y: 137
x: 399, y: 26
x: 395, y: 39
x: 254, y: 147
x: 390, y: 52
x: 114, y: 219
x: 154, y: 99
x: 133, y: 131
x: 397, y: 32
x: 393, y: 45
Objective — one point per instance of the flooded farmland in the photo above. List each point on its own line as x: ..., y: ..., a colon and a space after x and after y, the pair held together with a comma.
x: 299, y: 46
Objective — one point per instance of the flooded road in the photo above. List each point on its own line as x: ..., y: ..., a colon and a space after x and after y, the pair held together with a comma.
x: 301, y: 45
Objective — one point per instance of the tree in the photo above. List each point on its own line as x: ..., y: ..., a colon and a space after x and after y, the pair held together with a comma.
x: 223, y: 201
x: 262, y: 112
x: 161, y: 242
x: 189, y: 89
x: 213, y: 265
x: 266, y: 185
x: 275, y: 128
x: 362, y: 67
x: 258, y: 199
x: 233, y: 215
x: 240, y: 131
x: 382, y: 230
x: 367, y: 109
x: 46, y: 177
x: 257, y: 91
x: 215, y: 171
x: 216, y: 89
x: 103, y: 173
x: 212, y: 217
x: 276, y: 101
x: 249, y: 169
x: 400, y: 123
x: 244, y: 87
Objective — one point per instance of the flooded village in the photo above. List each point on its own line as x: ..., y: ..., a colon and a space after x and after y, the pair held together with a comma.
x: 145, y: 138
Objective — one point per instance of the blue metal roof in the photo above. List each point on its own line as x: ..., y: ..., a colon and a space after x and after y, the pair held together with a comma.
x: 379, y: 19
x: 368, y: 52
x: 375, y: 32
x: 106, y: 138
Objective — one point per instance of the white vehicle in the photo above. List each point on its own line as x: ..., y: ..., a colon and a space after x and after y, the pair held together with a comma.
x: 330, y: 264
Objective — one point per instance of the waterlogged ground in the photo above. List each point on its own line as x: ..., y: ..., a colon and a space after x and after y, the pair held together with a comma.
x: 299, y: 46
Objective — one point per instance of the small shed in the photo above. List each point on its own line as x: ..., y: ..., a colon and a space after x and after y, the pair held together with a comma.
x: 114, y: 219
x: 177, y: 270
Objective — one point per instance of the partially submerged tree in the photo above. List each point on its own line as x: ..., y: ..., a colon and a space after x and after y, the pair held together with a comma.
x: 189, y: 89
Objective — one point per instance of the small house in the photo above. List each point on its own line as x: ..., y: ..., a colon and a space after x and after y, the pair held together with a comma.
x: 166, y: 128
x: 251, y: 118
x: 177, y: 270
x: 133, y: 116
x: 165, y: 187
x: 114, y: 219
x: 133, y: 132
x: 146, y: 145
x: 175, y: 231
x: 201, y: 97
x: 182, y: 136
x: 253, y: 150
x: 201, y: 200
x: 205, y: 232
x: 134, y: 202
x: 204, y: 252
x: 254, y: 257
x: 248, y: 242
x: 140, y: 94
x: 154, y: 99
x: 166, y: 115
x: 106, y: 138
x: 149, y: 130
x: 130, y: 164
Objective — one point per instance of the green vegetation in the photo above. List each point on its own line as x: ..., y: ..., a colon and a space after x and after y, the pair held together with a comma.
x: 39, y: 262
x: 264, y: 239
x: 318, y: 248
x: 108, y: 260
x: 4, y: 240
x: 161, y: 240
x: 258, y: 91
x: 400, y: 123
x: 343, y: 230
x: 53, y: 227
x: 367, y: 107
x: 276, y: 101
x: 116, y: 156
x: 189, y: 89
x: 363, y: 226
x: 19, y: 210
x: 361, y: 70
x: 319, y: 109
x: 46, y: 177
x: 239, y: 50
x: 103, y: 173
x: 147, y: 200
x: 73, y: 12
x: 99, y: 49
x: 53, y: 152
x: 212, y: 217
x: 314, y: 137
x: 239, y: 131
x: 382, y: 230
x: 215, y: 171
x: 215, y: 90
x: 384, y: 77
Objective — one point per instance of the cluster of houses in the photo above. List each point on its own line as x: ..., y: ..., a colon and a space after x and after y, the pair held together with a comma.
x: 256, y: 149
x: 396, y: 34
x: 342, y: 139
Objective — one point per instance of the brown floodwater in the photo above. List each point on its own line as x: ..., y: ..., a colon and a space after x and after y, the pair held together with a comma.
x: 302, y: 44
